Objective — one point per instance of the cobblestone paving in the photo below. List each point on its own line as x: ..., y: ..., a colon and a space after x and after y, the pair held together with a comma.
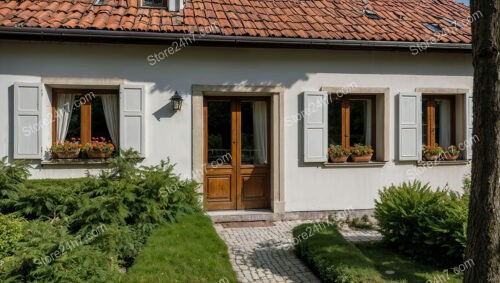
x: 264, y: 254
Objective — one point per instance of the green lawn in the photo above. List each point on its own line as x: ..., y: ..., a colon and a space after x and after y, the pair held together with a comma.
x: 187, y: 251
x: 336, y: 260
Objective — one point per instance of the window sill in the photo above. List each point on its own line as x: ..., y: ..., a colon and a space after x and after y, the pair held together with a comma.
x: 355, y: 164
x: 75, y: 162
x: 442, y: 163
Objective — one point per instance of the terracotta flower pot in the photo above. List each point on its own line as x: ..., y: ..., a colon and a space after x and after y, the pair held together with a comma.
x: 430, y: 157
x: 99, y: 154
x: 338, y: 159
x: 72, y: 154
x: 361, y: 158
x: 450, y: 157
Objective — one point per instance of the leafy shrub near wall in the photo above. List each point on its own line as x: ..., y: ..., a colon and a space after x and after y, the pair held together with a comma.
x: 127, y: 201
x: 428, y: 225
x: 12, y: 177
x: 10, y: 233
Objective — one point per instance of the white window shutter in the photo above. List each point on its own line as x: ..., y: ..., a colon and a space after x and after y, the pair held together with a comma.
x: 132, y: 118
x: 28, y: 121
x: 410, y: 126
x: 315, y: 126
x: 468, y: 126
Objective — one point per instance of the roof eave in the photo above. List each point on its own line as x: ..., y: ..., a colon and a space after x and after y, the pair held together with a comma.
x: 63, y: 33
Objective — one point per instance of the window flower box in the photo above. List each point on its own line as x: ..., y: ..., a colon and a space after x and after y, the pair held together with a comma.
x: 361, y: 153
x: 432, y: 153
x: 99, y: 148
x: 66, y: 150
x: 452, y: 153
x: 338, y: 154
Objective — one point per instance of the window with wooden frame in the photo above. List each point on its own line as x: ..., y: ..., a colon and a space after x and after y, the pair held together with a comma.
x: 438, y: 120
x: 352, y: 120
x: 154, y: 3
x: 84, y: 114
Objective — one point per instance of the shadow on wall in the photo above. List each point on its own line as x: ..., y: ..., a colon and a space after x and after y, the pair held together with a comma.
x: 216, y: 66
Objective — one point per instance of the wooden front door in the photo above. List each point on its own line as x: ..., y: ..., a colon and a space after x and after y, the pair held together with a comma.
x: 237, y: 153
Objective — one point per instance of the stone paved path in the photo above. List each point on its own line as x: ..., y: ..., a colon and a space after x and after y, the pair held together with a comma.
x: 264, y: 254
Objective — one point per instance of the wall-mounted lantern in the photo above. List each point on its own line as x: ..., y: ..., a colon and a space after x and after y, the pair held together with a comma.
x: 176, y: 101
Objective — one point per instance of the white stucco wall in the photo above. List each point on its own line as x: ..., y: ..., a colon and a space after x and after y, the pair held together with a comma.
x: 307, y: 188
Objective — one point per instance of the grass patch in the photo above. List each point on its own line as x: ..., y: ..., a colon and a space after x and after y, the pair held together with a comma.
x: 187, y: 251
x: 334, y: 259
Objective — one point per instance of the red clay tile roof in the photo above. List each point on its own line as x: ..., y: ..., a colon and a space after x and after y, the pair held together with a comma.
x: 400, y: 20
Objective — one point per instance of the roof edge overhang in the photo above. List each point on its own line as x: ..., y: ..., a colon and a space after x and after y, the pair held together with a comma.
x: 63, y: 34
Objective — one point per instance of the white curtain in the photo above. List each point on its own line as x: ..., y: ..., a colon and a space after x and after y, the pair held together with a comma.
x: 368, y: 122
x: 444, y: 123
x: 63, y: 116
x: 260, y: 131
x: 110, y: 107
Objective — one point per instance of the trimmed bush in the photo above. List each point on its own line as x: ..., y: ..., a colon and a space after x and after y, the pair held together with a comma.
x: 44, y: 254
x: 427, y: 225
x: 127, y: 200
x: 331, y: 257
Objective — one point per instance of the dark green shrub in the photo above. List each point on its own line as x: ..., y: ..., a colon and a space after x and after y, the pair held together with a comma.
x: 47, y: 253
x: 129, y: 201
x: 36, y: 201
x: 427, y: 225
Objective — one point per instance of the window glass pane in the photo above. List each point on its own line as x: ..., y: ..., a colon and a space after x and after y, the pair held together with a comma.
x: 335, y: 122
x: 74, y: 129
x: 99, y: 127
x: 219, y: 132
x: 425, y: 102
x: 254, y: 132
x: 360, y: 121
x: 443, y: 122
x: 153, y: 2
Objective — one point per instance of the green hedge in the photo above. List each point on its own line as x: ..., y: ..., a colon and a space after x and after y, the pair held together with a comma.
x: 331, y: 257
x: 124, y: 204
x: 428, y: 225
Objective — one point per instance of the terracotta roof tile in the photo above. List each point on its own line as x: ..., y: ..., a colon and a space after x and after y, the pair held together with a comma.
x: 400, y: 20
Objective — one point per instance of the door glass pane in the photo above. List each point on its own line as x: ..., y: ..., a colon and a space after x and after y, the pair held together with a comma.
x: 335, y: 122
x: 424, y: 121
x: 254, y: 132
x: 219, y: 132
x: 360, y: 121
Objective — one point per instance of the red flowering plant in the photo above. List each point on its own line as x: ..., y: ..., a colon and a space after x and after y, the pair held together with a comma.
x: 99, y: 145
x: 453, y: 150
x: 433, y: 150
x: 67, y: 146
x: 338, y: 150
x: 361, y: 149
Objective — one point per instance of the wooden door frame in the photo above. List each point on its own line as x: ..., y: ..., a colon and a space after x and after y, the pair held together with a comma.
x: 236, y: 167
x: 276, y: 150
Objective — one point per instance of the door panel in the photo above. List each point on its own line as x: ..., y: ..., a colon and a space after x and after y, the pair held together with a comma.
x: 238, y: 127
x: 220, y: 176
